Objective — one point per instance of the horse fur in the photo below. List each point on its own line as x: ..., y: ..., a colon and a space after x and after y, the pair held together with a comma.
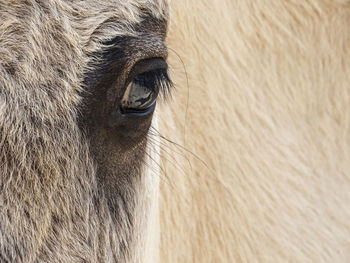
x: 51, y: 207
x: 264, y: 106
x: 262, y: 110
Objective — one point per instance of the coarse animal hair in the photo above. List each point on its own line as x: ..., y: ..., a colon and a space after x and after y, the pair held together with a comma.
x: 57, y: 199
x: 258, y: 168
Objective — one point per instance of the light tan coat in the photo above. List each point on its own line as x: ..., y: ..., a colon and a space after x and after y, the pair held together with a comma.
x: 266, y: 108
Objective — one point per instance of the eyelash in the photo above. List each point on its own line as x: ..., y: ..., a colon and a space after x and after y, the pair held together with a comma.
x: 158, y: 79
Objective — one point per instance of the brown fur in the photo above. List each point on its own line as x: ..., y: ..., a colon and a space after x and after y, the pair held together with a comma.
x: 53, y: 204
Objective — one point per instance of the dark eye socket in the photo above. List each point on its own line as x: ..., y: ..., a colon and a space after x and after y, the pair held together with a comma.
x: 148, y: 78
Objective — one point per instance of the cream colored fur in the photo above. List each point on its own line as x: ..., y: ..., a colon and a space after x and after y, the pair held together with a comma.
x: 152, y: 230
x: 268, y: 114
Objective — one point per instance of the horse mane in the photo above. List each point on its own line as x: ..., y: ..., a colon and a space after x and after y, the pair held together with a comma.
x: 261, y: 113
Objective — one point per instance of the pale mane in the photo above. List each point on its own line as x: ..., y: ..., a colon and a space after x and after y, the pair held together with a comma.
x: 268, y: 112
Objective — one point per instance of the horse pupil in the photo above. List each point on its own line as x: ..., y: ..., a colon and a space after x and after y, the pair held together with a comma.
x: 142, y: 94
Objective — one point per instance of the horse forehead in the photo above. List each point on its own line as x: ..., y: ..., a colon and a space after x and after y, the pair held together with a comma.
x: 89, y: 11
x: 42, y: 38
x: 128, y: 9
x: 87, y: 19
x: 80, y: 25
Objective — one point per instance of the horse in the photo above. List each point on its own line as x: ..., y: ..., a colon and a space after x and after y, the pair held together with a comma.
x: 79, y: 83
x: 150, y: 131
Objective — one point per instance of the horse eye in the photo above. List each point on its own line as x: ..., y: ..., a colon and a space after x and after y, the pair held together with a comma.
x: 141, y: 93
